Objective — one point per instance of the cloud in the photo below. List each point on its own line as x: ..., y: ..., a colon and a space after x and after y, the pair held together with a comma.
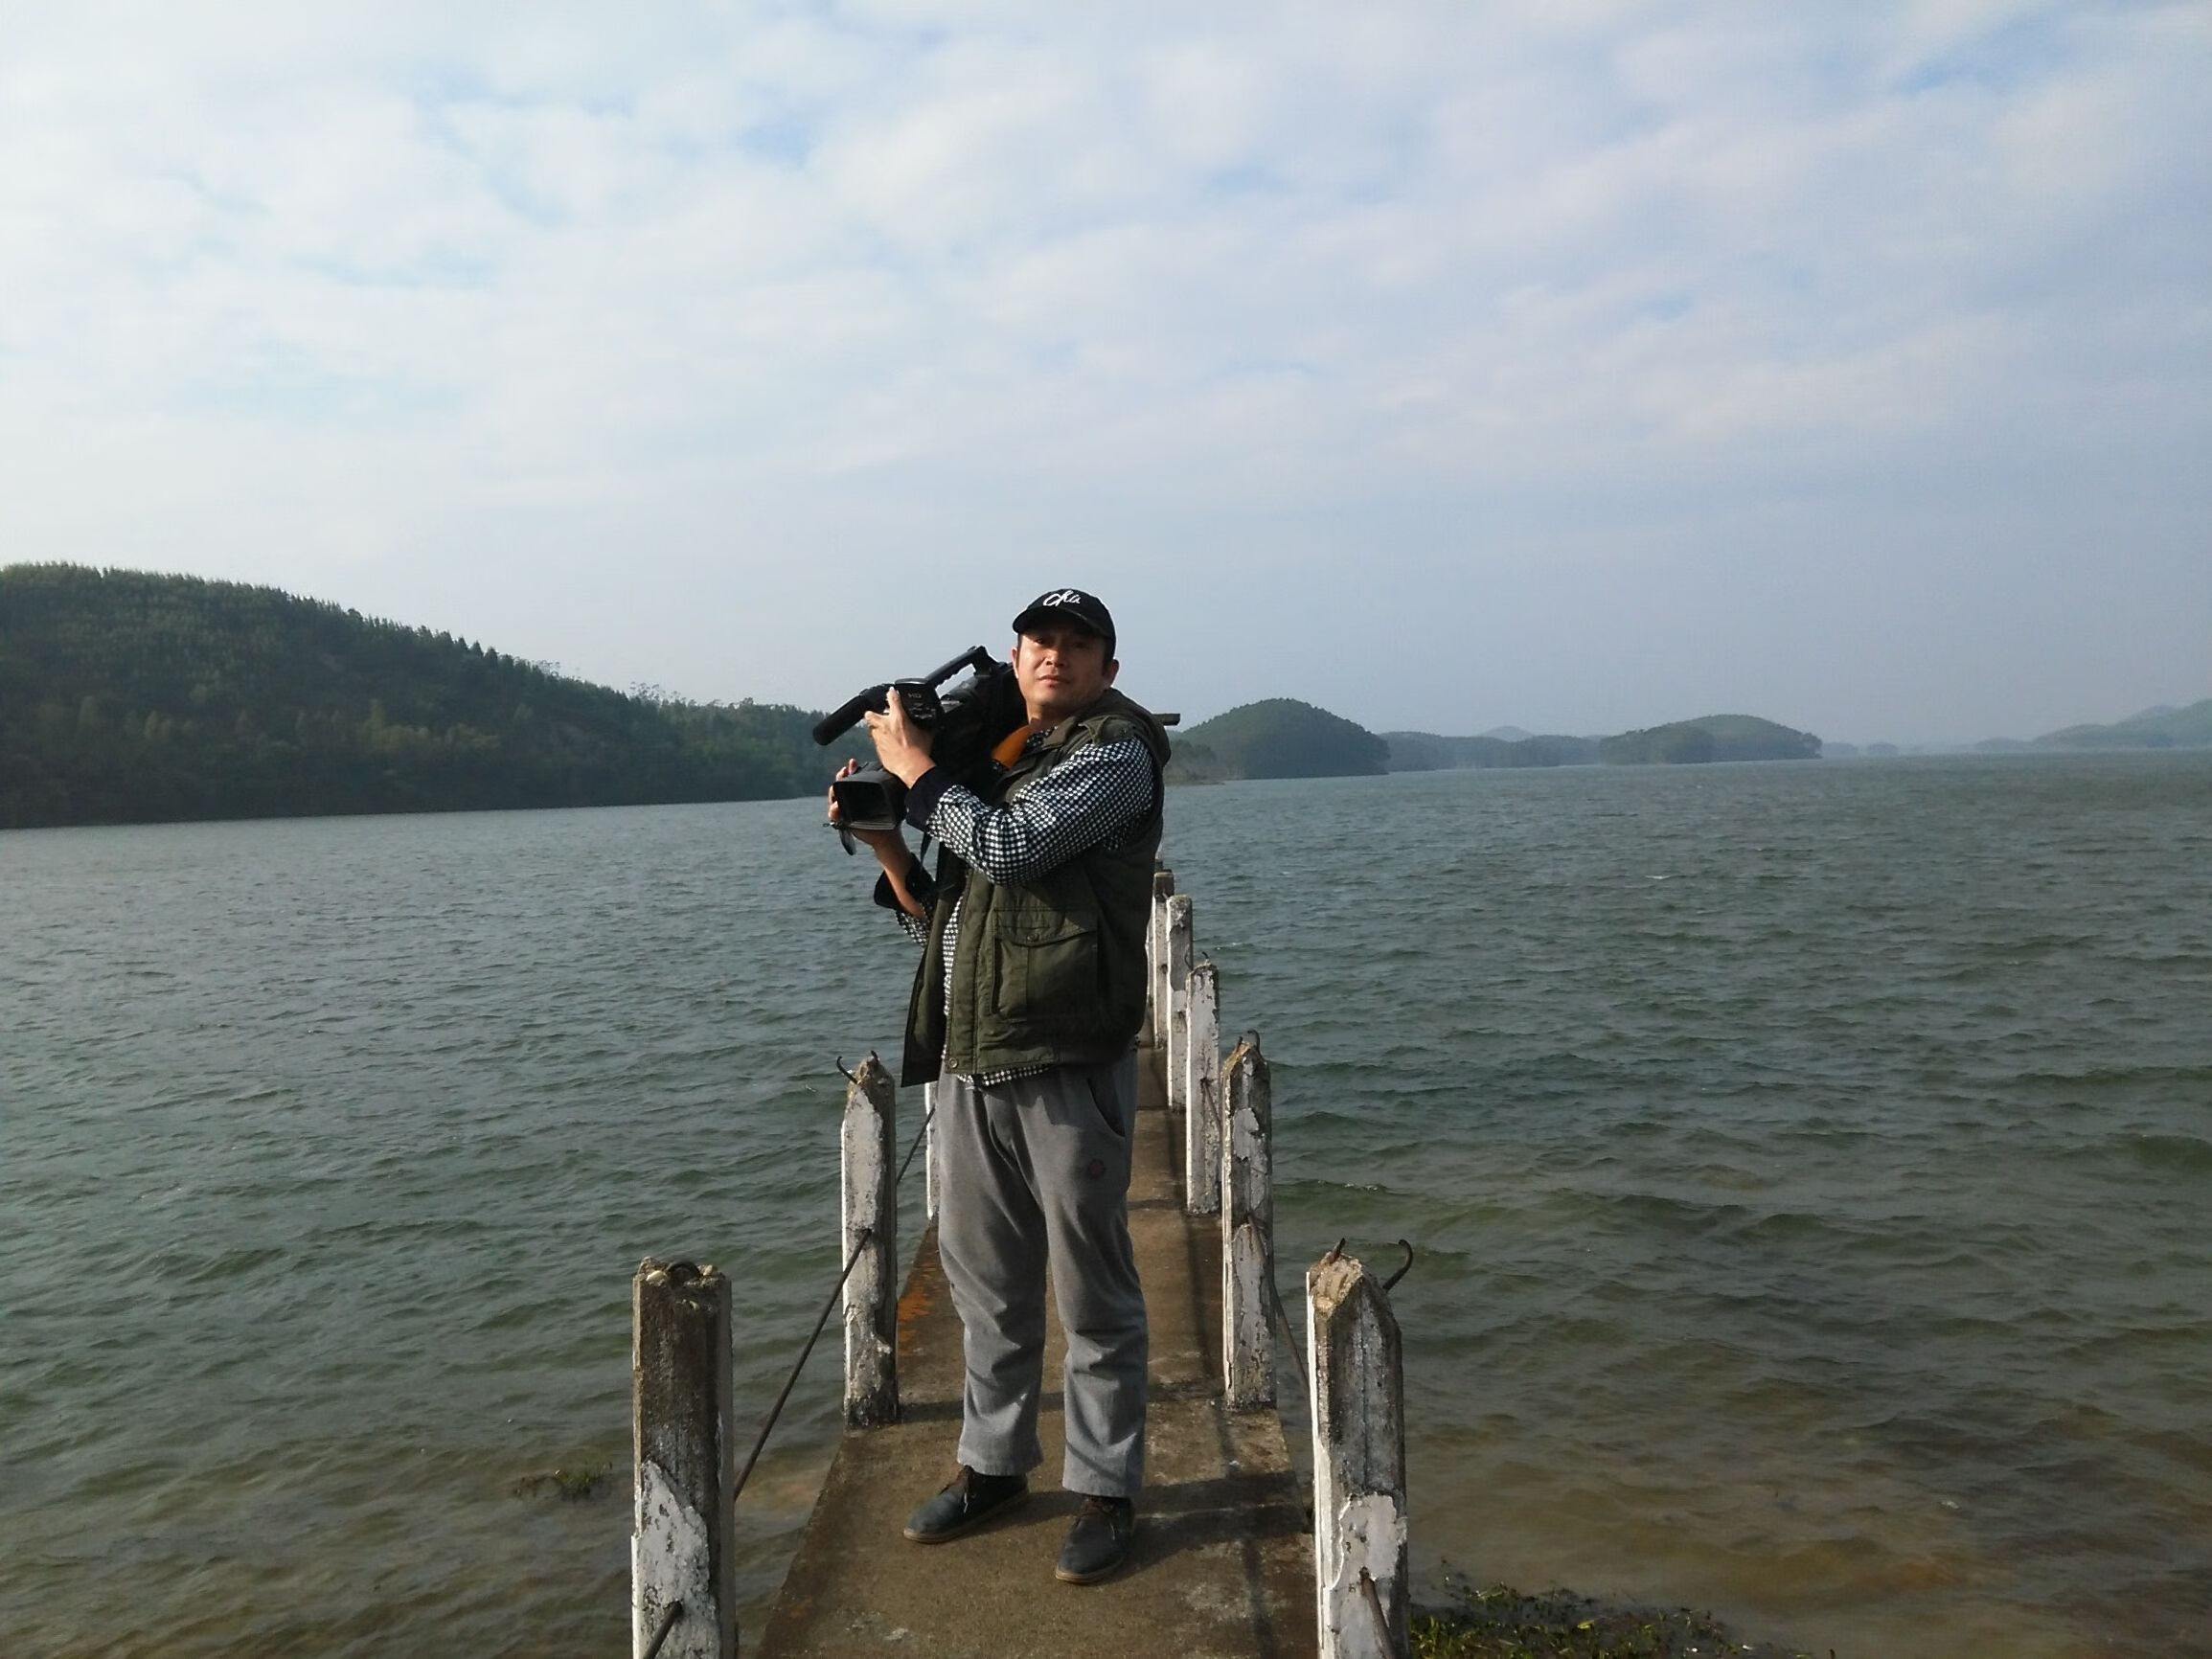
x: 484, y: 318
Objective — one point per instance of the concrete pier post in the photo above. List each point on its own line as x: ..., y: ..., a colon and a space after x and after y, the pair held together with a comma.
x: 1179, y: 937
x: 1163, y: 889
x: 1359, y: 1411
x: 1151, y: 971
x: 680, y: 1548
x: 871, y: 1208
x: 1202, y: 1093
x: 1247, y: 1227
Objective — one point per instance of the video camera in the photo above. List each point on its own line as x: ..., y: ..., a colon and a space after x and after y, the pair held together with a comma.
x: 967, y: 723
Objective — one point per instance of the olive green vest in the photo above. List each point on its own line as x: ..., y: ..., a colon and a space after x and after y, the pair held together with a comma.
x: 1049, y: 971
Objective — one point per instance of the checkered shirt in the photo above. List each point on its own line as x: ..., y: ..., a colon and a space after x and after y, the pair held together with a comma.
x: 1097, y: 797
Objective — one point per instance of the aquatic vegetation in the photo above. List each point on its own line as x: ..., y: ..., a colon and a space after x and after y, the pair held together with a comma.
x: 571, y: 1485
x: 1501, y: 1623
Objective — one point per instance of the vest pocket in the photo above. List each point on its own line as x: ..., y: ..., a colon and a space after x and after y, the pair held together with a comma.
x: 1048, y: 969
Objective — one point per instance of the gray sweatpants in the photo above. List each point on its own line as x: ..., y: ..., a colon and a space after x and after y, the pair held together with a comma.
x: 1036, y: 1167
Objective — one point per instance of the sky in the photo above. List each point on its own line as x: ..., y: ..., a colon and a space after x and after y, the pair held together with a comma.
x: 1578, y: 366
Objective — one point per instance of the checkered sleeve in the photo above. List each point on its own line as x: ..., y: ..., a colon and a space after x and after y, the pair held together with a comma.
x: 1093, y: 798
x: 918, y: 883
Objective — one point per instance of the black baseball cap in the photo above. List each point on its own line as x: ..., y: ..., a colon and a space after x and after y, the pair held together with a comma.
x: 1069, y: 605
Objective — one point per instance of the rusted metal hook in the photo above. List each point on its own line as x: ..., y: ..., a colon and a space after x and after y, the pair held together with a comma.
x: 847, y: 1074
x: 1404, y: 1269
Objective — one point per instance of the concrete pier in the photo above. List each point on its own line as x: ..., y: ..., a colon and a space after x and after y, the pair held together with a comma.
x: 1222, y: 1566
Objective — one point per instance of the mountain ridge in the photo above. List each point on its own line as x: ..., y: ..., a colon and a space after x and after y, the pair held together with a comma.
x: 2162, y: 726
x: 132, y: 697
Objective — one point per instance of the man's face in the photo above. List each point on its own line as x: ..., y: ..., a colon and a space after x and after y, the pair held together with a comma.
x: 1060, y: 669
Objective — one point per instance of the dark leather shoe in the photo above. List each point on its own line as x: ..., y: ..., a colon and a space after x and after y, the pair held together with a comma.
x: 970, y: 1500
x: 1099, y: 1541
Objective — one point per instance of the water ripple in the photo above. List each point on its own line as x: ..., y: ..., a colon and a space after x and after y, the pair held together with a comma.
x: 1807, y: 1167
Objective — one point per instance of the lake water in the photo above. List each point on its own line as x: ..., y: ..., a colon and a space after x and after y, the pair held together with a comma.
x: 1810, y: 1168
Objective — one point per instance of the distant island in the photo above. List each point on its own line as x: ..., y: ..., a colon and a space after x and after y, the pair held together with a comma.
x: 1283, y: 737
x: 1278, y: 738
x: 1710, y: 738
x: 2161, y: 728
x: 127, y: 697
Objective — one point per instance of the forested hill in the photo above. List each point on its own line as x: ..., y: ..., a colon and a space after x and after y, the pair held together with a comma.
x: 2161, y: 728
x: 1279, y: 737
x: 1684, y: 742
x: 129, y: 697
x: 1710, y: 738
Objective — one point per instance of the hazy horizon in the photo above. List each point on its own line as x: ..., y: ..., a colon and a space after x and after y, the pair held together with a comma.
x: 1577, y: 369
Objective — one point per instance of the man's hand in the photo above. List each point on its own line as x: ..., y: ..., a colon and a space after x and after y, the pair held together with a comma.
x: 903, y: 746
x: 889, y: 847
x: 880, y: 840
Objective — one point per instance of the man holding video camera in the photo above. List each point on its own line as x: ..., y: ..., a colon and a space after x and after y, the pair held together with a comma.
x: 1025, y: 1011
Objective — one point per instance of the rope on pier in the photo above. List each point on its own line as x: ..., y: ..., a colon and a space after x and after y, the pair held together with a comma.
x: 927, y: 1117
x: 777, y: 1410
x: 829, y: 1305
x: 1291, y: 1336
x: 1373, y: 1600
x: 668, y: 1622
x: 1296, y: 1343
x: 1292, y: 1340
